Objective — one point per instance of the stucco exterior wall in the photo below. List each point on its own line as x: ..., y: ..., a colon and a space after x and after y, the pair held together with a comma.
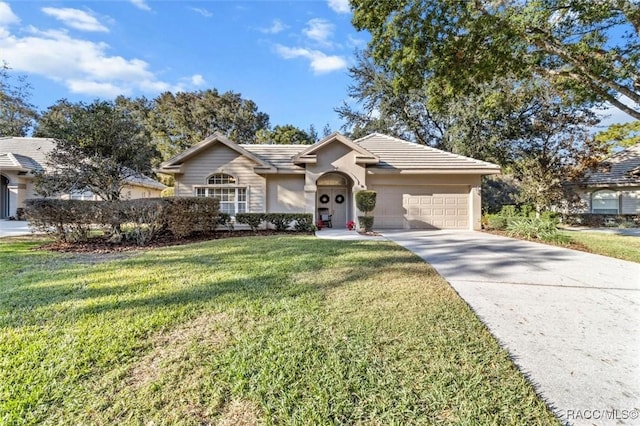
x: 285, y: 194
x: 222, y: 159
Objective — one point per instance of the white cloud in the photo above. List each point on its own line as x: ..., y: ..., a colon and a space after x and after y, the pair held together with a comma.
x: 197, y: 80
x: 84, y: 67
x: 141, y: 4
x: 201, y: 11
x: 340, y: 6
x: 319, y: 30
x: 76, y: 18
x: 276, y: 27
x: 107, y: 90
x: 320, y: 62
x: 7, y: 17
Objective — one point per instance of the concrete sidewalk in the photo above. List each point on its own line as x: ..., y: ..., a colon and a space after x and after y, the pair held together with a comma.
x: 12, y: 228
x: 570, y: 320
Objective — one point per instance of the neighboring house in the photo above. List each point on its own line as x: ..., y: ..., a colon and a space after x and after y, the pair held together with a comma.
x: 614, y: 186
x: 418, y: 186
x: 21, y: 157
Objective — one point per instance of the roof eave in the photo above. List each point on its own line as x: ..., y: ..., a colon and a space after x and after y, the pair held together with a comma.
x: 431, y: 171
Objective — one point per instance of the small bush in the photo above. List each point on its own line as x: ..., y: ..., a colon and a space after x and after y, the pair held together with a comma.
x: 280, y: 221
x: 509, y: 211
x: 167, y: 192
x: 189, y: 215
x: 494, y: 222
x: 146, y: 217
x: 303, y: 222
x: 224, y: 219
x: 534, y: 228
x: 366, y: 201
x: 366, y: 223
x: 252, y: 219
x: 65, y: 220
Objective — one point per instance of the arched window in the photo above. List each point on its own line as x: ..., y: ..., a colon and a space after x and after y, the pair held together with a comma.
x: 605, y: 202
x: 221, y: 179
x: 224, y: 187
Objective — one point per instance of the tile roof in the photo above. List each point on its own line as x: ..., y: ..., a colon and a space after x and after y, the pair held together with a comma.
x: 280, y: 156
x: 31, y: 154
x: 399, y: 154
x: 619, y: 169
x: 32, y: 151
x: 9, y: 160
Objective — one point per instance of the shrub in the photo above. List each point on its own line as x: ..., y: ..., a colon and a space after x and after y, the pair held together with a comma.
x: 146, y: 216
x: 280, y: 221
x: 74, y: 220
x: 224, y: 219
x: 303, y: 222
x: 65, y: 220
x: 366, y: 223
x: 366, y: 201
x: 168, y: 192
x: 252, y: 219
x: 534, y: 228
x: 189, y: 215
x: 494, y: 222
x: 508, y: 211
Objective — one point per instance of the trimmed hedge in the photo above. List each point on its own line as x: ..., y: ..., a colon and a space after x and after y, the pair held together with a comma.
x: 302, y: 222
x: 140, y: 219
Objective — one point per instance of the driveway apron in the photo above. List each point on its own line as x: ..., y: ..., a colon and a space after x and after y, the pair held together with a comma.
x: 570, y: 320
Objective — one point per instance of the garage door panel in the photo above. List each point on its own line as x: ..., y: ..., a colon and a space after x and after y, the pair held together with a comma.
x: 422, y: 207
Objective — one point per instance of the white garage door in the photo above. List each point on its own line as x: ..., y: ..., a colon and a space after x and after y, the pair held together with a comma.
x: 422, y: 207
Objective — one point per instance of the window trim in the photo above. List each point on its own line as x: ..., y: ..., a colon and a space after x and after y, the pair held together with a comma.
x: 237, y: 203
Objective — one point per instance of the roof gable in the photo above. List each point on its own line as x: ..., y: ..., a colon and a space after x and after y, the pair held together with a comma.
x: 308, y: 156
x: 174, y: 164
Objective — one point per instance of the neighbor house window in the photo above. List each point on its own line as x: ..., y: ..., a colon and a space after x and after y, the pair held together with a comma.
x: 604, y: 202
x: 233, y: 197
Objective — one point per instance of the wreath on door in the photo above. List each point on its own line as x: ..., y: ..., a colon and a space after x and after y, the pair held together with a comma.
x: 324, y: 198
x: 339, y: 198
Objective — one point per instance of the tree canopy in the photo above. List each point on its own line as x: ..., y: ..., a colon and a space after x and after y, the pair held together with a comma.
x: 99, y: 146
x: 17, y: 115
x: 179, y: 121
x: 620, y: 135
x: 588, y: 48
x: 284, y: 135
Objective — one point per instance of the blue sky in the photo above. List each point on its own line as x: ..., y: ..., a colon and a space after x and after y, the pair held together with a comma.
x: 290, y: 57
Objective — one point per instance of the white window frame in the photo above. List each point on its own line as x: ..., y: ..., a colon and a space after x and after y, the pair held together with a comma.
x: 234, y: 198
x: 605, y: 201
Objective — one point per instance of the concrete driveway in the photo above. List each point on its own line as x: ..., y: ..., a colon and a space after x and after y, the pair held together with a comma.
x: 570, y: 320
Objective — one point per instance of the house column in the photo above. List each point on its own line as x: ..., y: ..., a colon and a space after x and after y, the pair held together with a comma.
x: 310, y: 200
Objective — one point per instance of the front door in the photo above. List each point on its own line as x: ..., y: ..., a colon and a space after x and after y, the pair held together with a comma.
x: 334, y: 199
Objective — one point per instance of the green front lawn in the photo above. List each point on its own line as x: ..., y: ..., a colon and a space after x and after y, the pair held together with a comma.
x: 618, y: 246
x: 268, y: 330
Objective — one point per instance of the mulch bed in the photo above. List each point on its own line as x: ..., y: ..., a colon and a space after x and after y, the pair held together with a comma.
x: 100, y: 245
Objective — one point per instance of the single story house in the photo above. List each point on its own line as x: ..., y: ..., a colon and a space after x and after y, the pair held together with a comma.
x: 417, y: 186
x: 614, y: 186
x: 21, y: 157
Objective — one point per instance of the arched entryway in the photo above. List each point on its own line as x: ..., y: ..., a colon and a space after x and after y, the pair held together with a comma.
x: 333, y: 197
x: 4, y: 197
